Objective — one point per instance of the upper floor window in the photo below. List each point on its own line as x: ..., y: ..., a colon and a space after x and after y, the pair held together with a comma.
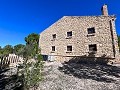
x: 91, y: 30
x: 92, y: 47
x: 69, y: 34
x: 53, y: 48
x: 69, y: 48
x: 54, y: 36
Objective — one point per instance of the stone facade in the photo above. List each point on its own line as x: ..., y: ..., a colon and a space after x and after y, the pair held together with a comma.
x: 104, y: 37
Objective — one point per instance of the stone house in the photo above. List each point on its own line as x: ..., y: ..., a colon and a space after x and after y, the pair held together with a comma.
x: 73, y: 36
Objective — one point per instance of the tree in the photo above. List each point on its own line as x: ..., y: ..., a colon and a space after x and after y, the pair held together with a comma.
x: 32, y: 70
x: 33, y: 41
x: 7, y: 49
x: 119, y: 42
x: 1, y: 51
x: 118, y: 39
x: 18, y: 49
x: 32, y: 73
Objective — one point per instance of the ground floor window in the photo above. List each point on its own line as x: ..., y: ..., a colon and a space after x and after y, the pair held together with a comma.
x: 92, y: 47
x: 69, y: 48
x: 53, y: 48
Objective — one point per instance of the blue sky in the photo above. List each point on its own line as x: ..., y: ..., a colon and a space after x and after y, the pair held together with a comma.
x: 18, y: 18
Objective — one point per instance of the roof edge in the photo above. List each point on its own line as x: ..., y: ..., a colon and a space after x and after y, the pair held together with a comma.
x: 112, y: 16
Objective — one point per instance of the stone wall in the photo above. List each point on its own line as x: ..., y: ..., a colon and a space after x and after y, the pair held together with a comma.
x: 105, y: 37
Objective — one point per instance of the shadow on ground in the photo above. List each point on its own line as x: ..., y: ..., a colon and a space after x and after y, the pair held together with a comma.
x: 89, y: 67
x: 9, y: 82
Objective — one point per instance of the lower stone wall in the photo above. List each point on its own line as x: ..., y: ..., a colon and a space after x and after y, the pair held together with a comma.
x: 117, y: 59
x: 85, y: 59
x: 90, y: 58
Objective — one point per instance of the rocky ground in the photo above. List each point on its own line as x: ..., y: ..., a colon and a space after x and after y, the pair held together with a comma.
x: 72, y: 76
x: 8, y: 79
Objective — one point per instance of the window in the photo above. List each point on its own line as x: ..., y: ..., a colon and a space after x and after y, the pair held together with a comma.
x: 69, y: 48
x: 91, y: 30
x: 92, y: 47
x: 53, y: 48
x: 69, y: 34
x: 54, y: 36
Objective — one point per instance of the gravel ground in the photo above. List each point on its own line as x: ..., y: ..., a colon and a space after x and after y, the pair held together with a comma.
x: 54, y: 79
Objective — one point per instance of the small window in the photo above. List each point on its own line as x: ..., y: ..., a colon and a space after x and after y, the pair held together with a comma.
x: 92, y: 47
x: 53, y: 48
x: 69, y: 48
x: 54, y: 36
x: 69, y: 34
x: 91, y: 30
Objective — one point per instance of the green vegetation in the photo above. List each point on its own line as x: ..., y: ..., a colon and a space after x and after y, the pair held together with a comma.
x: 32, y: 42
x: 30, y: 72
x: 1, y: 52
x: 6, y: 50
x: 18, y: 49
x: 33, y: 64
x: 119, y: 42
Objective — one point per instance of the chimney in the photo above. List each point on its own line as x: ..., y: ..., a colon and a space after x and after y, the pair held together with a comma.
x: 104, y: 10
